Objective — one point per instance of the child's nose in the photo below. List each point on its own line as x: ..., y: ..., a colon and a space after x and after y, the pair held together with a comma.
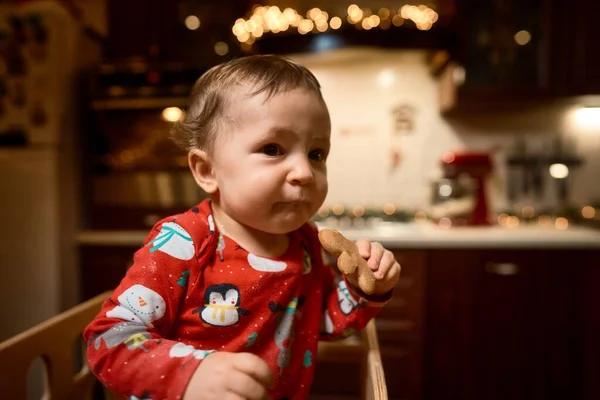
x: 301, y: 173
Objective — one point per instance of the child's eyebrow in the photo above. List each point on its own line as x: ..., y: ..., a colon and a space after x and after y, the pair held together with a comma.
x: 281, y: 131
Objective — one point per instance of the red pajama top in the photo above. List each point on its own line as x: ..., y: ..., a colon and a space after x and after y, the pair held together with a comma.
x: 192, y: 291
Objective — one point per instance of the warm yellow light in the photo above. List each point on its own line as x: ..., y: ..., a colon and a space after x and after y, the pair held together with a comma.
x: 366, y: 24
x: 313, y: 13
x: 386, y: 78
x: 561, y: 223
x: 305, y: 26
x: 243, y: 37
x: 258, y: 32
x: 358, y: 211
x: 544, y: 220
x: 445, y: 223
x: 221, y: 48
x: 559, y: 171
x: 384, y: 13
x: 420, y: 216
x: 374, y: 21
x: 261, y: 10
x: 290, y: 15
x: 352, y: 9
x: 250, y: 26
x: 528, y: 212
x: 192, y: 22
x: 335, y: 23
x: 389, y: 209
x: 172, y: 114
x: 522, y: 37
x: 512, y: 222
x: 239, y: 28
x: 588, y: 212
x: 356, y: 14
x: 502, y: 219
x: 588, y: 117
x: 338, y: 209
x: 425, y: 26
x: 397, y: 20
x: 296, y: 21
x: 323, y: 212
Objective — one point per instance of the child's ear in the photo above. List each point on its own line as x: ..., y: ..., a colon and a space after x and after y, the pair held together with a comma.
x: 202, y: 169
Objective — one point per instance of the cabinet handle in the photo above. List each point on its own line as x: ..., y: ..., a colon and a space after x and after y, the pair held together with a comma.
x: 503, y: 269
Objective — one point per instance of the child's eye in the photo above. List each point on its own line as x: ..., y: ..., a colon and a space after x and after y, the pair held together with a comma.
x: 317, y: 155
x: 272, y: 150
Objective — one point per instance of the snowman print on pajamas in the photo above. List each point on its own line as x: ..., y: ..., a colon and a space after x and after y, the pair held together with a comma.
x: 262, y: 264
x: 184, y: 350
x: 174, y: 241
x: 139, y: 304
x: 132, y: 335
x: 346, y: 301
x: 221, y: 305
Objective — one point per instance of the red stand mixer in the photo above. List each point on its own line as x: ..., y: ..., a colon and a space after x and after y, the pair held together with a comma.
x: 464, y: 178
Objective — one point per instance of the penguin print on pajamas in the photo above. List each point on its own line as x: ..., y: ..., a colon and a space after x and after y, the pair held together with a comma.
x: 221, y: 305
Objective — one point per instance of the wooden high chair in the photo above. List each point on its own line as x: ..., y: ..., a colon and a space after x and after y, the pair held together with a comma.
x: 54, y: 340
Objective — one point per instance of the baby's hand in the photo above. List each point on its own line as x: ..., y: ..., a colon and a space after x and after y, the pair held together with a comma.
x: 383, y: 264
x: 224, y: 375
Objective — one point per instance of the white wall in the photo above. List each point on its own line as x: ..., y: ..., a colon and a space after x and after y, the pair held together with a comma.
x: 362, y: 86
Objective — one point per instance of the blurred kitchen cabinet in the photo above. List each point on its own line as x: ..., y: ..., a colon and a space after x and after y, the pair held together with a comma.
x: 103, y: 267
x: 156, y: 30
x: 573, y: 59
x: 400, y: 328
x: 500, y: 47
x: 134, y: 27
x: 510, y: 324
x: 522, y: 53
x: 484, y: 308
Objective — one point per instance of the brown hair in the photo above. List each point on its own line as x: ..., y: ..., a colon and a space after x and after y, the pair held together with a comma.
x: 260, y: 73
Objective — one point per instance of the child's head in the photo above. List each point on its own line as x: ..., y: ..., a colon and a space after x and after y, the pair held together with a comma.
x: 257, y: 134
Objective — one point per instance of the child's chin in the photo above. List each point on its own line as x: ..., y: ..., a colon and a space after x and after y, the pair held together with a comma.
x: 284, y: 226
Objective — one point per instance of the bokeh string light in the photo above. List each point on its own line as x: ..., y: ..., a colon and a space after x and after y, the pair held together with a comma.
x: 271, y: 19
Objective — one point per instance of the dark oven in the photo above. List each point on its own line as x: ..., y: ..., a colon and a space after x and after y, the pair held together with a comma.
x: 134, y: 174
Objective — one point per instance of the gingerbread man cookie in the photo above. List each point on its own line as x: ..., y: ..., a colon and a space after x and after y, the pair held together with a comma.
x: 349, y: 260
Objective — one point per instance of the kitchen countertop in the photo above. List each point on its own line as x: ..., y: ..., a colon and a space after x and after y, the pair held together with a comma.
x: 415, y: 236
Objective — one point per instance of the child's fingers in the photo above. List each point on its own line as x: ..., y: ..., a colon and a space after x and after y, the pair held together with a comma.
x: 374, y: 259
x: 244, y: 386
x: 393, y: 273
x: 254, y: 366
x: 385, y: 264
x: 364, y: 247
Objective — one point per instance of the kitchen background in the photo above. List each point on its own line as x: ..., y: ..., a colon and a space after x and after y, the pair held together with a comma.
x: 426, y: 98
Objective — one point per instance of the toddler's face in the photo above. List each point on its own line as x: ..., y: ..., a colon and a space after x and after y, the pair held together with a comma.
x: 270, y: 164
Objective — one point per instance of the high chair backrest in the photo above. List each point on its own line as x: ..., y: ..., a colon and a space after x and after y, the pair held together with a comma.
x: 54, y: 341
x: 362, y: 354
x: 375, y: 388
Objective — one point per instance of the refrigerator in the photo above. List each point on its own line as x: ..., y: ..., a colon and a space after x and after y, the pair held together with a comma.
x: 45, y: 51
